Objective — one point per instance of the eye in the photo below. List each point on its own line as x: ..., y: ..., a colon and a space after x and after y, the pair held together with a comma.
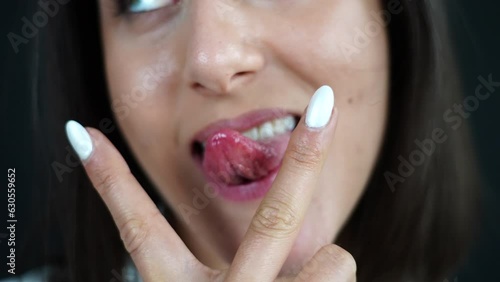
x: 142, y: 6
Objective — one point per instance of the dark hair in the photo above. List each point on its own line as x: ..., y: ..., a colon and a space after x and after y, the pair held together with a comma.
x: 415, y: 232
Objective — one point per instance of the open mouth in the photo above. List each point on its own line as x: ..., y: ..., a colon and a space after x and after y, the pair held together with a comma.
x: 241, y: 156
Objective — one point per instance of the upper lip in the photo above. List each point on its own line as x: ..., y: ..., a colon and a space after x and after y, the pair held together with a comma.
x: 241, y: 123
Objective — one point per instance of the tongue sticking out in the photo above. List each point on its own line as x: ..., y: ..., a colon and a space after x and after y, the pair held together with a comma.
x: 232, y: 159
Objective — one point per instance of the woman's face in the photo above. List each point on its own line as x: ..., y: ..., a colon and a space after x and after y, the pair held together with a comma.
x: 175, y: 71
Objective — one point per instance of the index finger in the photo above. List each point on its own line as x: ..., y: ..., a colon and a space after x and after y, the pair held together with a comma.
x: 154, y: 246
x: 279, y: 217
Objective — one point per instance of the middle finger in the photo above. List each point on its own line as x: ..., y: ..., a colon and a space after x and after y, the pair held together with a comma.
x: 279, y: 217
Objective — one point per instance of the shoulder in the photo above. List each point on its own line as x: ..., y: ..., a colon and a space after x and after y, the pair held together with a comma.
x: 34, y: 275
x: 42, y: 274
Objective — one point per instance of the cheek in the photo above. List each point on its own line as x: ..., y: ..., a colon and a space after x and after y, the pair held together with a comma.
x: 139, y: 93
x: 331, y: 40
x: 331, y: 53
x: 350, y: 161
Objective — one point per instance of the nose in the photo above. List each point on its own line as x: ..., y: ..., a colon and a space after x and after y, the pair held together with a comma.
x: 221, y: 51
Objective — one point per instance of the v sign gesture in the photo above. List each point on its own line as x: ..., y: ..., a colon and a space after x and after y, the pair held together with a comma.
x: 161, y: 255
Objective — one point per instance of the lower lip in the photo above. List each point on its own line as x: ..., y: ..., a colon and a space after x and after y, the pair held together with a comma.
x: 247, y: 192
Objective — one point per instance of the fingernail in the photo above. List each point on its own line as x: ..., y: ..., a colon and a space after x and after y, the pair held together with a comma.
x: 320, y: 107
x: 79, y: 139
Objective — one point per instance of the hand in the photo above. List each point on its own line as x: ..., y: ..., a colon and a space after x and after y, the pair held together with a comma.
x: 160, y: 255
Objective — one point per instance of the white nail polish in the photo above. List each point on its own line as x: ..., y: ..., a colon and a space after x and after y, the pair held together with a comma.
x: 320, y: 107
x: 79, y: 139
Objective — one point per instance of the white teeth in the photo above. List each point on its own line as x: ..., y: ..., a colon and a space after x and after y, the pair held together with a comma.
x: 279, y: 126
x: 266, y: 130
x: 252, y: 133
x: 289, y: 123
x: 271, y: 128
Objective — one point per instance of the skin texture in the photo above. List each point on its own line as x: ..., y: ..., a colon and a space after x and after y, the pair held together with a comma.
x: 173, y: 71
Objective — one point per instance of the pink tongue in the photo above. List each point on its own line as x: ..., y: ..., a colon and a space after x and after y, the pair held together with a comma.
x: 233, y: 159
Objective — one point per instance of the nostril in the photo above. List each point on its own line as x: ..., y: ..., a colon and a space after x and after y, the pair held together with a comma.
x: 197, y: 86
x: 241, y: 75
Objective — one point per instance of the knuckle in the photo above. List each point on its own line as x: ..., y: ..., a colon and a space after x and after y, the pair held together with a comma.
x: 275, y: 219
x: 108, y: 181
x: 133, y: 232
x: 344, y: 262
x: 214, y: 275
x: 304, y: 154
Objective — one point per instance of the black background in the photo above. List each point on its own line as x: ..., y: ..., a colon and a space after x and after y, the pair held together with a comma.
x: 476, y: 34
